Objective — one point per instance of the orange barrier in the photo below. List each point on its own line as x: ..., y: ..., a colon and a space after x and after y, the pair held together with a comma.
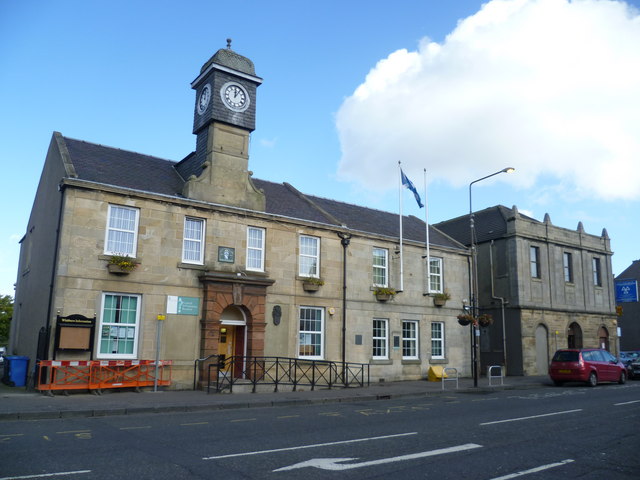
x: 101, y: 374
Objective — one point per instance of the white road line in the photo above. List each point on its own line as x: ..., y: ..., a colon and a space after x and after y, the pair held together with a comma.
x: 43, y: 475
x: 534, y: 470
x: 625, y: 403
x: 533, y: 416
x: 260, y: 452
x: 337, y: 465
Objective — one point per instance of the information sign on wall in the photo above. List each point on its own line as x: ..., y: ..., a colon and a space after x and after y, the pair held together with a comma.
x: 183, y: 305
x: 626, y: 291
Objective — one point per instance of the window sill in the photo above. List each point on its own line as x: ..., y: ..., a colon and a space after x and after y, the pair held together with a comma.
x: 192, y: 266
x: 104, y: 256
x: 380, y: 361
x: 412, y: 361
x: 438, y: 361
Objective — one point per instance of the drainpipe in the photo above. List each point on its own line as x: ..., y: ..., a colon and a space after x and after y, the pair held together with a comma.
x: 502, y: 303
x: 61, y: 188
x: 345, y: 238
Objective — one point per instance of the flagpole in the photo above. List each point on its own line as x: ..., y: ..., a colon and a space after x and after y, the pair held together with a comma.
x: 401, y: 253
x: 426, y: 222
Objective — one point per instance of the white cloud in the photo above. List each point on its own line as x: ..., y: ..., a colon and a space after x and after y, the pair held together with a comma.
x: 268, y: 142
x: 547, y: 86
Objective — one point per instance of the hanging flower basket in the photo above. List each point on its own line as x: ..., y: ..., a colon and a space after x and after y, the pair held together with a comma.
x: 483, y: 320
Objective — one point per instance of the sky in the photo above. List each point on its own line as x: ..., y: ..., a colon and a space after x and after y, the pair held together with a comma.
x: 454, y: 90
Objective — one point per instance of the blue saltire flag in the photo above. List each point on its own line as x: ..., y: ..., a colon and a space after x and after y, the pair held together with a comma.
x: 408, y: 184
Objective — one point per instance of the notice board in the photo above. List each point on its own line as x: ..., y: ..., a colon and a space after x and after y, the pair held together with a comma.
x: 75, y: 332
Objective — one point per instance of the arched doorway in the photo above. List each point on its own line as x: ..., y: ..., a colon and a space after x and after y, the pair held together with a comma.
x: 542, y: 349
x: 603, y: 338
x: 231, y: 341
x: 574, y: 336
x: 246, y: 294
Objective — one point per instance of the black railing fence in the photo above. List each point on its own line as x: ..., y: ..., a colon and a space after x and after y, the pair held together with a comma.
x: 223, y: 372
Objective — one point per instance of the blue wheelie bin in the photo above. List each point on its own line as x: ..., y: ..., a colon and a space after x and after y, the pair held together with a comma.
x: 16, y: 373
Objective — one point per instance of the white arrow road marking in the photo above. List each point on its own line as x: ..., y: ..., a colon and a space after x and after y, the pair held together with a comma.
x: 534, y: 470
x: 334, y: 463
x: 299, y: 447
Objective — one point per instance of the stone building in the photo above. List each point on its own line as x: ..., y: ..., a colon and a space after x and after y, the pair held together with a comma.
x: 238, y: 266
x: 546, y: 287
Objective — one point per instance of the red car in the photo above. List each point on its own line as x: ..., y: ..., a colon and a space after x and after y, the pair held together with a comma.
x: 590, y: 365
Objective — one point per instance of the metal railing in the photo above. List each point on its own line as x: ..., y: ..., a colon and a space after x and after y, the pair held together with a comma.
x: 491, y: 375
x: 449, y: 374
x: 225, y: 372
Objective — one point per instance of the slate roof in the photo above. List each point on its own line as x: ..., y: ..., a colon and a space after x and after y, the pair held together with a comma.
x: 489, y: 224
x: 228, y: 58
x: 632, y: 272
x: 113, y: 166
x: 121, y: 168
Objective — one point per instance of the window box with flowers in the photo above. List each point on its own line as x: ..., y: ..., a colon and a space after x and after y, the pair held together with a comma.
x: 312, y: 284
x: 440, y: 299
x: 384, y: 294
x: 121, y: 264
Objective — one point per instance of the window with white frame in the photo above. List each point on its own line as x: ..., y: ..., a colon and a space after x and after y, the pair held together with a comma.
x: 435, y: 275
x: 534, y: 261
x: 193, y: 240
x: 380, y: 268
x: 255, y: 249
x: 122, y: 230
x: 309, y: 264
x: 597, y: 273
x: 380, y: 339
x: 437, y: 340
x: 409, y: 340
x: 311, y: 333
x: 119, y: 326
x: 567, y: 259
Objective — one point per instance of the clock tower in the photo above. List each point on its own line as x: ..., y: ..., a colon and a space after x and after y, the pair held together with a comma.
x: 223, y: 119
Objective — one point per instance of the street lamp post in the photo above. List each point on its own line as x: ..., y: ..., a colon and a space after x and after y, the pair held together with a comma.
x: 473, y: 278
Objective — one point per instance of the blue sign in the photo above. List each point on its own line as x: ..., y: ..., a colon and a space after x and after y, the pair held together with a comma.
x: 626, y: 291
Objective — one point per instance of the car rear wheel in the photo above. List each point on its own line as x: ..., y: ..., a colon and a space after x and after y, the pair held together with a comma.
x: 593, y: 379
x: 623, y: 378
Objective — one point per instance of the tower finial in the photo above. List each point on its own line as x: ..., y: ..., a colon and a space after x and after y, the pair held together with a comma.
x: 229, y: 43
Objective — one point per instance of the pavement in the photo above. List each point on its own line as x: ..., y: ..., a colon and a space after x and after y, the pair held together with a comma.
x: 21, y: 403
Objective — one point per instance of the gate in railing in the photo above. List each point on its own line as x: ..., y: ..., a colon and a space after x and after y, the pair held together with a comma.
x: 223, y: 373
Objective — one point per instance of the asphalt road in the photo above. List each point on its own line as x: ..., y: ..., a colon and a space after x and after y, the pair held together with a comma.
x: 545, y: 433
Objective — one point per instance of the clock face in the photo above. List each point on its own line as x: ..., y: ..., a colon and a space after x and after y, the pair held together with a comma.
x: 203, y: 101
x: 234, y: 96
